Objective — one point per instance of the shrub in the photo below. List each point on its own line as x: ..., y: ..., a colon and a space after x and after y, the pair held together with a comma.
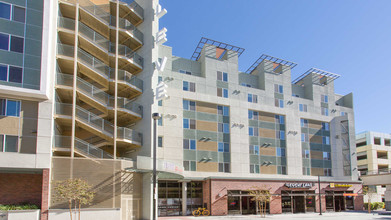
x: 18, y: 207
x: 374, y: 205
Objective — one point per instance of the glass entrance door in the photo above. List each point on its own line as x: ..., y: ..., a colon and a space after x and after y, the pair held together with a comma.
x: 298, y: 204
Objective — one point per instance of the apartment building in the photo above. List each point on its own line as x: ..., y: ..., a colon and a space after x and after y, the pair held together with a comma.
x: 373, y: 153
x: 235, y: 131
x: 25, y: 103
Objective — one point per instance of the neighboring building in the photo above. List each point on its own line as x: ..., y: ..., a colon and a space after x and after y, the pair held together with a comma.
x: 25, y: 103
x: 374, y: 157
x: 236, y: 131
x: 77, y: 94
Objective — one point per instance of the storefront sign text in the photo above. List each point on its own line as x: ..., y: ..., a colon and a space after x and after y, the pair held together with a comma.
x: 334, y: 185
x: 298, y: 185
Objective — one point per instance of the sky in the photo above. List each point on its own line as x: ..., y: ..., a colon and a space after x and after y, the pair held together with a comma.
x: 351, y: 38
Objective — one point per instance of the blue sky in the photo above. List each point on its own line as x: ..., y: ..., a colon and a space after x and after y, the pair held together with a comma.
x: 349, y: 37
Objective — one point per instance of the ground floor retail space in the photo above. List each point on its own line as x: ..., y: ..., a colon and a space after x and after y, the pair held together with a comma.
x: 233, y: 197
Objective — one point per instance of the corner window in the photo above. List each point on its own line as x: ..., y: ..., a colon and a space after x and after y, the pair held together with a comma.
x: 9, y: 107
x: 9, y: 143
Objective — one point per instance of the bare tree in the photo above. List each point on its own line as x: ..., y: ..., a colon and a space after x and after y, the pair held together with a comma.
x: 74, y: 191
x: 369, y: 192
x: 261, y: 196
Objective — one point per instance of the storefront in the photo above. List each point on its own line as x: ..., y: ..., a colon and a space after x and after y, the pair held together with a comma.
x: 242, y: 203
x: 298, y: 201
x: 339, y: 198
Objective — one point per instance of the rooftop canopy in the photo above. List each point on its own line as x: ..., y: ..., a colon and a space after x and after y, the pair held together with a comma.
x: 221, y: 45
x: 272, y: 59
x: 319, y: 77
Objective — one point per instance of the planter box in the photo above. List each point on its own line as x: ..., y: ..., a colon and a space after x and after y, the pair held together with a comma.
x: 20, y: 215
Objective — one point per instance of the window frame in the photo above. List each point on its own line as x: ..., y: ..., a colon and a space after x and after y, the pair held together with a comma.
x: 5, y: 110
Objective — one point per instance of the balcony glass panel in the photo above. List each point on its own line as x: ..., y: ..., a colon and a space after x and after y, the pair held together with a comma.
x: 128, y: 78
x: 136, y: 7
x: 65, y: 50
x: 63, y: 109
x: 99, y: 11
x: 94, y: 121
x: 94, y: 63
x: 94, y: 36
x: 129, y: 134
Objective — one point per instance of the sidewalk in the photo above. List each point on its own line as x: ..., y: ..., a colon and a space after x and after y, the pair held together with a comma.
x: 329, y: 215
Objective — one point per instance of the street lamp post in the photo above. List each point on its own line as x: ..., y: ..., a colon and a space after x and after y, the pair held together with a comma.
x: 320, y: 197
x: 156, y: 116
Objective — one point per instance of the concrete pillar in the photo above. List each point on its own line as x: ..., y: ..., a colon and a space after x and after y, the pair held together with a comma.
x: 147, y: 196
x: 387, y: 197
x: 184, y: 198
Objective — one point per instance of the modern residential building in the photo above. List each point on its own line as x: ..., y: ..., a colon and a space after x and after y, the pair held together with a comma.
x: 80, y: 86
x: 25, y: 103
x: 373, y: 157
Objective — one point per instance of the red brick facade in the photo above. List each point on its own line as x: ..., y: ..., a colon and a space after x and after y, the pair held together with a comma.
x: 19, y: 188
x: 217, y: 199
x: 45, y: 194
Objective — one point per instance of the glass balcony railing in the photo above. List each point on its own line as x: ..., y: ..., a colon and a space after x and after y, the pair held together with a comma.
x: 128, y: 53
x: 94, y: 36
x: 136, y: 7
x: 63, y: 109
x: 95, y: 121
x: 85, y: 147
x: 93, y: 91
x: 128, y: 26
x: 127, y: 78
x: 129, y: 134
x: 99, y: 11
x: 65, y: 50
x: 64, y: 79
x: 127, y: 105
x: 94, y: 63
x: 66, y: 23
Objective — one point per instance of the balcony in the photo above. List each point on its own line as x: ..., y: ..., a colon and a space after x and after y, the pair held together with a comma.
x: 98, y: 17
x: 128, y: 111
x: 128, y: 85
x: 128, y: 9
x: 127, y: 137
x: 62, y: 147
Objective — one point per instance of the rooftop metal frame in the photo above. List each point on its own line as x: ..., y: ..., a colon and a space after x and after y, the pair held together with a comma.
x: 272, y: 59
x: 203, y: 41
x: 316, y: 80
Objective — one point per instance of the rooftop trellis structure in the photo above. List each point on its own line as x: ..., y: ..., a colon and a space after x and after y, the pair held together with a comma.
x: 203, y: 41
x: 272, y: 59
x: 320, y: 77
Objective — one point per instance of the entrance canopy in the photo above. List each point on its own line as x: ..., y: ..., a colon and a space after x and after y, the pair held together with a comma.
x: 166, y: 169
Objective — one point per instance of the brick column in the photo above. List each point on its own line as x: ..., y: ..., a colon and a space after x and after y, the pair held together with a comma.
x: 275, y: 205
x: 45, y: 194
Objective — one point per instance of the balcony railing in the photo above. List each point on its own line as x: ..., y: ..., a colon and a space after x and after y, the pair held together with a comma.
x: 94, y: 36
x: 375, y: 172
x: 85, y: 147
x: 96, y: 10
x: 93, y: 63
x: 127, y: 105
x: 136, y: 7
x: 128, y: 53
x: 128, y: 26
x: 129, y: 134
x: 128, y: 78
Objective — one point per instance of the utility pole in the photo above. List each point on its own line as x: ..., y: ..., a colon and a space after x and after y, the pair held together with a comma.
x: 320, y: 197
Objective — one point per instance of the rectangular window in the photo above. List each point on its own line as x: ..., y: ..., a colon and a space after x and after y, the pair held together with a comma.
x: 188, y: 105
x: 279, y: 103
x: 303, y: 107
x: 280, y: 135
x: 160, y: 121
x: 304, y: 123
x: 325, y: 126
x: 223, y: 110
x: 5, y: 10
x: 326, y: 140
x: 15, y: 74
x: 4, y: 41
x: 254, y: 168
x: 326, y: 156
x: 327, y: 172
x: 189, y: 144
x: 3, y: 72
x: 280, y: 119
x: 19, y: 14
x: 222, y: 92
x: 160, y: 103
x: 17, y: 44
x: 250, y: 131
x: 222, y: 76
x: 223, y: 127
x: 160, y: 141
x: 304, y: 137
x: 254, y: 149
x: 325, y: 111
x: 193, y: 145
x: 189, y: 165
x: 250, y: 114
x: 255, y: 115
x: 186, y: 123
x: 186, y: 144
x: 223, y: 147
x: 189, y: 86
x: 306, y: 154
x: 278, y: 89
x: 224, y: 167
x: 185, y: 72
x: 280, y: 152
x: 252, y: 98
x: 10, y: 143
x: 9, y: 107
x: 324, y: 98
x: 281, y: 170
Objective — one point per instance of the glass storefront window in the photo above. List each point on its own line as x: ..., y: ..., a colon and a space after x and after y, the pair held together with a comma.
x: 310, y: 203
x: 233, y: 205
x: 286, y: 203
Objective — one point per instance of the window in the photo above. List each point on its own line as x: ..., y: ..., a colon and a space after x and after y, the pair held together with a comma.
x: 160, y: 141
x: 159, y: 79
x: 306, y: 171
x: 252, y: 98
x: 250, y: 114
x: 278, y: 89
x: 5, y: 10
x: 223, y: 147
x: 160, y: 121
x: 189, y: 105
x: 11, y: 73
x: 279, y: 103
x: 325, y: 111
x: 280, y: 135
x: 18, y: 13
x: 189, y: 86
x: 223, y: 110
x: 254, y: 149
x: 324, y: 98
x: 306, y: 154
x: 223, y: 127
x: 224, y: 167
x: 304, y: 123
x: 160, y: 103
x: 344, y: 113
x: 327, y: 172
x: 222, y: 92
x: 325, y: 126
x: 387, y: 142
x: 189, y: 144
x: 280, y: 152
x: 185, y: 72
x: 4, y: 41
x: 304, y: 137
x: 280, y: 119
x: 189, y: 165
x: 254, y: 168
x: 246, y: 85
x: 9, y: 107
x: 326, y: 156
x: 303, y: 107
x: 281, y: 170
x: 222, y: 76
x: 9, y: 143
x: 17, y: 44
x: 252, y: 131
x: 326, y: 140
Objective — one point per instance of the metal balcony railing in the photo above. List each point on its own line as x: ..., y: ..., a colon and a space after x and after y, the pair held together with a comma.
x: 127, y: 26
x: 127, y: 78
x: 136, y: 7
x: 96, y: 10
x: 129, y: 134
x: 94, y: 36
x: 93, y: 63
x: 127, y: 105
x: 128, y: 53
x: 375, y: 172
x: 85, y: 147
